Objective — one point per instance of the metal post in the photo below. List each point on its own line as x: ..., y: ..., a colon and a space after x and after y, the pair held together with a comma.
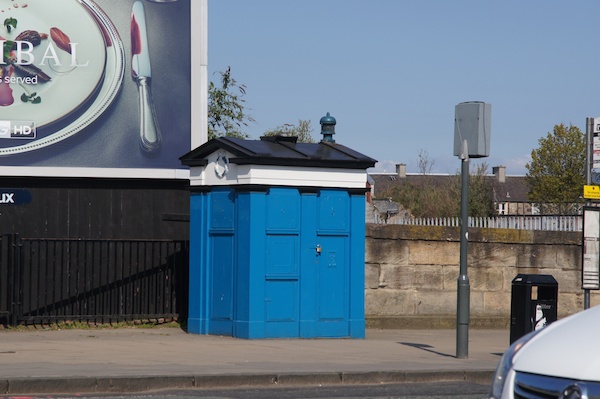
x: 463, y: 300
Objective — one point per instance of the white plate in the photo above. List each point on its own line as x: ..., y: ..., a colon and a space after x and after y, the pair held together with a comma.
x: 76, y: 96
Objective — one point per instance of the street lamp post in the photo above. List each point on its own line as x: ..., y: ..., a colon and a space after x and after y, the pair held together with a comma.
x: 472, y: 125
x: 463, y: 287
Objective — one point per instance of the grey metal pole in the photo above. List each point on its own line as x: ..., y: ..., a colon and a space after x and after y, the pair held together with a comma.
x: 588, y: 179
x: 464, y: 289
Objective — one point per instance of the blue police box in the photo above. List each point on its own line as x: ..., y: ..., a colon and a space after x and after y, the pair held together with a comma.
x: 277, y: 237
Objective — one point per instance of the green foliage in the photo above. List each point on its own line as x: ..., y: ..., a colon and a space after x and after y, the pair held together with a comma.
x: 302, y: 130
x: 556, y: 173
x: 226, y: 109
x: 427, y: 199
x: 480, y: 193
x: 227, y: 114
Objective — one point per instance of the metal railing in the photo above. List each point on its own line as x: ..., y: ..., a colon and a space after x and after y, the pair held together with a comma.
x: 546, y: 223
x: 102, y: 281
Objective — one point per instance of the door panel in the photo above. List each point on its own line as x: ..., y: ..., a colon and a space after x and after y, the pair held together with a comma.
x: 282, y: 296
x: 222, y: 251
x: 332, y: 279
x: 221, y: 289
x: 282, y: 299
x: 282, y: 255
x: 333, y: 211
x: 307, y: 264
x: 325, y: 268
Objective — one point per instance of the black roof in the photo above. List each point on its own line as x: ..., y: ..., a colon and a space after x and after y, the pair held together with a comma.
x: 280, y: 150
x: 514, y: 189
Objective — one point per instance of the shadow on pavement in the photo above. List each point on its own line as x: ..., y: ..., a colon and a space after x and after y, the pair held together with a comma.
x: 425, y: 347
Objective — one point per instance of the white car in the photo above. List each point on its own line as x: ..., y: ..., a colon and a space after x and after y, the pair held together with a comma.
x: 559, y: 361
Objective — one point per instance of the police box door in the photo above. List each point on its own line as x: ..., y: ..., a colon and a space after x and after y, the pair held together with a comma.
x: 307, y: 267
x: 324, y: 287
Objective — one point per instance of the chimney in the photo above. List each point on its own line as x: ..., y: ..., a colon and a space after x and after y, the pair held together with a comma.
x: 401, y: 170
x: 500, y: 173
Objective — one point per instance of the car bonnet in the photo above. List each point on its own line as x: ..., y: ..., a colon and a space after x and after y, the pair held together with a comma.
x: 568, y: 348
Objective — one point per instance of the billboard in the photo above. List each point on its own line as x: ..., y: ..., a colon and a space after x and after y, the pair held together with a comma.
x: 98, y: 88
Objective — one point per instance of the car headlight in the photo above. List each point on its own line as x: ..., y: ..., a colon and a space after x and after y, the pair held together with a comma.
x: 506, y: 363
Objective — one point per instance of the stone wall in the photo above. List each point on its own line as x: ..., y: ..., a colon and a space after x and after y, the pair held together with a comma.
x: 412, y: 271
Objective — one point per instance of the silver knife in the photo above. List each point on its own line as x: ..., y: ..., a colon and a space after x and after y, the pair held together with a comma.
x: 141, y: 72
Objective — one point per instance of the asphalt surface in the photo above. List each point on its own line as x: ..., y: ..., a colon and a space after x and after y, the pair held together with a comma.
x: 133, y: 360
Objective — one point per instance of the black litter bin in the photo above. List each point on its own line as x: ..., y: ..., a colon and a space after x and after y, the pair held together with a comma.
x: 533, y: 304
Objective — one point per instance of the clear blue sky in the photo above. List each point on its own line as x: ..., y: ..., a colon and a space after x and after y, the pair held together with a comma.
x: 392, y: 71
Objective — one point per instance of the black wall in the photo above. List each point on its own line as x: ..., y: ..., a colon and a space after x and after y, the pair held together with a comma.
x: 98, y: 208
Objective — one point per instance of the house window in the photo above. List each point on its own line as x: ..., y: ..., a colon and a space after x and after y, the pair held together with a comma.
x: 501, y: 208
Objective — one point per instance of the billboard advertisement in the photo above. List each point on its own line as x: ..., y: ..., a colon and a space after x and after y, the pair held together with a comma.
x: 96, y: 87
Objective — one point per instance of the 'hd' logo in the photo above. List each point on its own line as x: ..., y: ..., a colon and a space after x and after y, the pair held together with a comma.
x: 17, y: 130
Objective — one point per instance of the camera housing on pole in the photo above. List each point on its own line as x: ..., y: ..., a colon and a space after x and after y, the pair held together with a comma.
x: 473, y: 124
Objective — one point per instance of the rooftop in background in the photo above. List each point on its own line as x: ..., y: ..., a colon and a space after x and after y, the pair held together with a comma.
x: 505, y: 188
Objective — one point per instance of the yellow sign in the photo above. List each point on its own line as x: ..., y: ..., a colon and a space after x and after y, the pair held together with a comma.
x: 591, y: 192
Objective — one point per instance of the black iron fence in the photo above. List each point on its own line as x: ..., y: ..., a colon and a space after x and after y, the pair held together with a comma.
x: 102, y: 281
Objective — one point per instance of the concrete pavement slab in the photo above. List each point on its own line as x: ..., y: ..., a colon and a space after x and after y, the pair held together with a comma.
x: 111, y: 360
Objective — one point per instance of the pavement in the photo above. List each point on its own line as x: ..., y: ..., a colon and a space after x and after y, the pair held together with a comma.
x: 136, y: 360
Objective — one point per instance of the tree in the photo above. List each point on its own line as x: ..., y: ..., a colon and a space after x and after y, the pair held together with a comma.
x: 426, y: 200
x: 556, y: 173
x: 226, y: 109
x: 481, y: 203
x: 302, y: 130
x: 424, y: 164
x: 433, y: 196
x: 425, y: 197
